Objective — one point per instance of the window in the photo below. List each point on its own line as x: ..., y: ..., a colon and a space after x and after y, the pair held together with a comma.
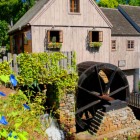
x: 55, y: 36
x: 27, y: 36
x: 113, y: 44
x: 95, y: 36
x: 130, y: 44
x: 74, y: 6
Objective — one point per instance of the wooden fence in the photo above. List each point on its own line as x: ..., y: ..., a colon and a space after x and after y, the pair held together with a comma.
x: 15, y: 67
x: 134, y: 100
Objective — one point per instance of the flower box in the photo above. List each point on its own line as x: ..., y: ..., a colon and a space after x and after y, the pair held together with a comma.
x: 54, y: 45
x: 95, y: 44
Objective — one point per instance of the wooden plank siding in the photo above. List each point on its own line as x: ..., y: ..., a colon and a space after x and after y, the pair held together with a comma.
x: 75, y: 39
x: 57, y: 12
x: 121, y: 52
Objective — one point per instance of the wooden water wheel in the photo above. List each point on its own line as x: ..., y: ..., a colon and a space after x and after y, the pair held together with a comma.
x: 98, y: 83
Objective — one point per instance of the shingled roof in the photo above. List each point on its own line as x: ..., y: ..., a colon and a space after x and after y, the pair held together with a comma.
x: 121, y: 26
x: 28, y: 15
x: 133, y: 12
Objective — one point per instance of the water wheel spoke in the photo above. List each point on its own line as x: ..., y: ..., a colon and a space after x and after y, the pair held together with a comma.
x: 89, y: 92
x: 106, y: 97
x: 80, y: 122
x: 96, y: 71
x: 110, y: 81
x: 118, y: 90
x: 87, y: 106
x: 86, y: 114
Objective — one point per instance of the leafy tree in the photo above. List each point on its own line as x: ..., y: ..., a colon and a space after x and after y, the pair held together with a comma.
x: 135, y: 2
x: 108, y: 3
x: 11, y: 9
x: 114, y: 3
x: 4, y: 38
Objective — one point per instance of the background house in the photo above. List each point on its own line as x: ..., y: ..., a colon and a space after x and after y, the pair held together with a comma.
x: 125, y: 40
x: 74, y: 24
x: 131, y: 13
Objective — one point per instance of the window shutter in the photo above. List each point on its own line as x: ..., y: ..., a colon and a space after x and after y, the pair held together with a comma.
x: 100, y: 36
x: 90, y: 36
x: 60, y: 36
x: 48, y: 36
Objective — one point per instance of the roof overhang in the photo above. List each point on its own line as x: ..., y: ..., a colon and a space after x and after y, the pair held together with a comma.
x: 18, y: 29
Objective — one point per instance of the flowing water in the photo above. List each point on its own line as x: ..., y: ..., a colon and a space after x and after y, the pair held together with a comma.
x: 52, y: 127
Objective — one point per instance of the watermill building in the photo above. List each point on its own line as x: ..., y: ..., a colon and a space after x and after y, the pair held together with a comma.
x: 96, y: 34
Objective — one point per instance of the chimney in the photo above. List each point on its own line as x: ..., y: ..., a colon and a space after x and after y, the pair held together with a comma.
x: 11, y: 22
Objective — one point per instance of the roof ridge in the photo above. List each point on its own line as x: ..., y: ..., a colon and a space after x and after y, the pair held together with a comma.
x: 108, y: 8
x: 129, y: 5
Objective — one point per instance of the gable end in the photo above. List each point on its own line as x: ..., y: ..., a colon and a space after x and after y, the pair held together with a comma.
x: 101, y: 13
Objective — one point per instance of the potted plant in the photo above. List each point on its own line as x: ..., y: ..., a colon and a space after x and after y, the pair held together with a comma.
x: 95, y: 44
x: 54, y: 44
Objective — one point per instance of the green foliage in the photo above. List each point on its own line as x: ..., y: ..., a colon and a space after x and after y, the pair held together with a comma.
x: 4, y: 38
x: 33, y: 72
x: 54, y: 39
x: 21, y: 135
x: 108, y: 3
x: 18, y: 118
x: 114, y: 3
x: 95, y: 44
x: 5, y: 69
x: 11, y: 9
x: 4, y: 78
x: 55, y: 45
x: 14, y: 9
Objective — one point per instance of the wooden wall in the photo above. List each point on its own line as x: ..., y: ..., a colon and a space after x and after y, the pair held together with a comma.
x: 56, y: 12
x: 131, y: 56
x: 28, y: 48
x: 74, y: 39
x: 11, y: 46
x: 19, y: 40
x: 130, y: 75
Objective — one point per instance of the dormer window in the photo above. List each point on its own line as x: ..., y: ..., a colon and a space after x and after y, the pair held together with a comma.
x: 74, y: 6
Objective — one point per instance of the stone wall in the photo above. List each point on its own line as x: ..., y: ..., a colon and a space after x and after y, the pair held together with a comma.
x: 67, y: 116
x: 113, y: 120
x: 119, y: 124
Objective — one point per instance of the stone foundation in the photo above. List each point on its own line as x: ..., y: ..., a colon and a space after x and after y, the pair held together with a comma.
x: 119, y: 124
x: 67, y: 116
x: 113, y: 120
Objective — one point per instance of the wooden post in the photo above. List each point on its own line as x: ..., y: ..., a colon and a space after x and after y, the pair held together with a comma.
x: 0, y: 60
x: 69, y: 61
x: 9, y: 59
x: 65, y: 61
x: 61, y: 63
x: 15, y: 63
x: 5, y: 58
x: 18, y: 64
